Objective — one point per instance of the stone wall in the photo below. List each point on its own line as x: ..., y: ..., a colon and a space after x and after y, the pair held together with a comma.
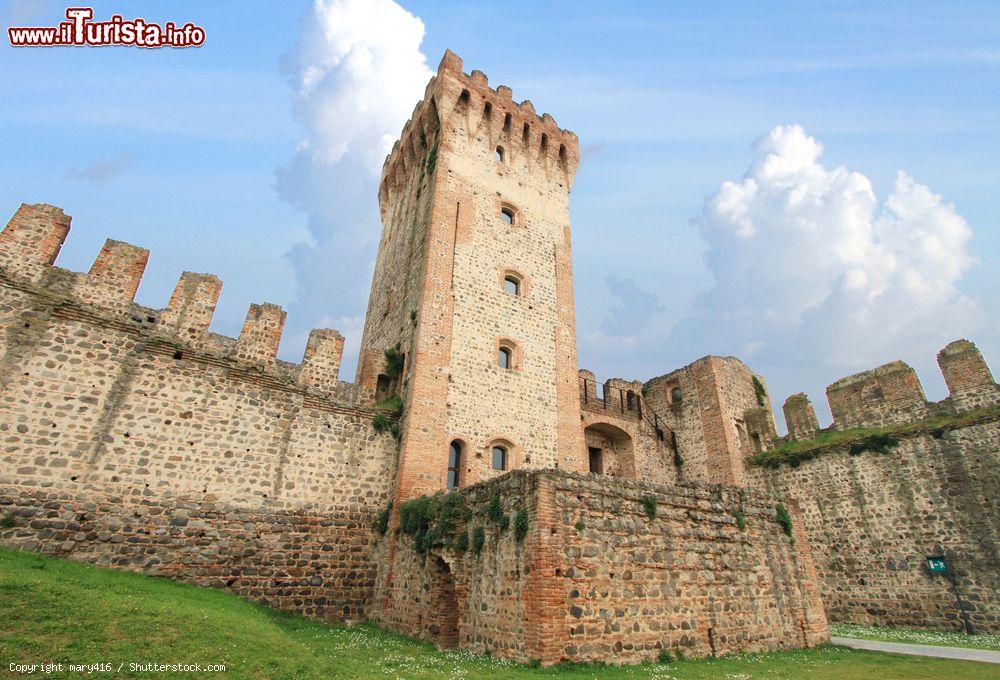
x: 135, y: 437
x: 634, y: 441
x: 706, y: 406
x: 597, y: 579
x: 874, y: 518
x: 315, y: 563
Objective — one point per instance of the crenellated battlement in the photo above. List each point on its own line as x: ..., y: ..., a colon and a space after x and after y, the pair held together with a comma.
x: 456, y: 101
x: 887, y: 394
x: 32, y: 239
x: 892, y: 394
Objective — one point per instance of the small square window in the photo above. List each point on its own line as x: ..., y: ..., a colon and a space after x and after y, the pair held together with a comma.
x: 512, y: 285
x: 507, y: 215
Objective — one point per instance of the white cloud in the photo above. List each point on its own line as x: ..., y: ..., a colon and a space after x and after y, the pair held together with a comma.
x: 815, y: 279
x: 356, y: 74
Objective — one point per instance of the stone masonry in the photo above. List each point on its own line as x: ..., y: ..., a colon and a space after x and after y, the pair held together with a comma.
x: 136, y: 438
x: 598, y: 577
x: 874, y: 518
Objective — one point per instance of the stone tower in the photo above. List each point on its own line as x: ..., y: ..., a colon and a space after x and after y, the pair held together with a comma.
x: 473, y: 285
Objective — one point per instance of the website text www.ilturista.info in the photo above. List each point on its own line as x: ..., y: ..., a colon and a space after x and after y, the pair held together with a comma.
x: 81, y: 31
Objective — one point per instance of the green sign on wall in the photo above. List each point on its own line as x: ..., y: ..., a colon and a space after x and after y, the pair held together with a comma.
x: 937, y: 565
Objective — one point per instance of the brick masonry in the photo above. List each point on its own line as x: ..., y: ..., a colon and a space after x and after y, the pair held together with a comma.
x: 597, y: 579
x: 137, y: 438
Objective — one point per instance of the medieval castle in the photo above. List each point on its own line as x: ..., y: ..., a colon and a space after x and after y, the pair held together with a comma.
x: 473, y: 486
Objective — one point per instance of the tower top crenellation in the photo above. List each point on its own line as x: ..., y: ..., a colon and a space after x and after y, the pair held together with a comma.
x: 536, y: 139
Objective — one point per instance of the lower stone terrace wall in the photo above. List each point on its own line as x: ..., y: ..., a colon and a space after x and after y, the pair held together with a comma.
x: 312, y: 563
x: 873, y: 519
x: 124, y: 445
x: 596, y: 579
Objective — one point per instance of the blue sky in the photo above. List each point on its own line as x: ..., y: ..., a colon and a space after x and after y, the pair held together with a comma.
x: 185, y: 152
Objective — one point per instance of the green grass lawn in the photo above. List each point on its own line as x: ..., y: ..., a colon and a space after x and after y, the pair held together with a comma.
x: 59, y: 611
x: 917, y: 637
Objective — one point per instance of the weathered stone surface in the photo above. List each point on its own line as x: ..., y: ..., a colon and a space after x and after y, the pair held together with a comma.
x: 873, y: 519
x: 135, y: 438
x: 597, y: 579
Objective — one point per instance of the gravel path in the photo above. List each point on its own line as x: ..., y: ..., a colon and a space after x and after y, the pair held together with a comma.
x: 962, y: 653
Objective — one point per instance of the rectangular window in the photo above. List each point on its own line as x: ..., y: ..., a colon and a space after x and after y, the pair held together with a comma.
x: 499, y: 458
x: 454, y: 463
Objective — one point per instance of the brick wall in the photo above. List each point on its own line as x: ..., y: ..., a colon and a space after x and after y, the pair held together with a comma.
x: 597, y: 580
x: 710, y: 419
x: 882, y: 396
x: 624, y: 429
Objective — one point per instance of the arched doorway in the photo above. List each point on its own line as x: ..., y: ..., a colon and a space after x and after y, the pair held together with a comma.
x: 609, y: 450
x: 445, y: 612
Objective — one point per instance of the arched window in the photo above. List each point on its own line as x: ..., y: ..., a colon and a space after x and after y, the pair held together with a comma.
x: 512, y: 284
x: 507, y: 214
x: 454, y: 464
x: 498, y: 155
x: 675, y: 394
x: 499, y: 457
x: 505, y: 358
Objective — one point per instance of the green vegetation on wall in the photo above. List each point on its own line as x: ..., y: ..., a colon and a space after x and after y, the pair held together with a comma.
x: 381, y: 523
x: 393, y: 361
x: 442, y: 521
x: 521, y: 524
x: 478, y: 539
x: 876, y: 439
x: 497, y: 515
x: 382, y: 423
x: 782, y: 517
x: 741, y: 520
x: 433, y: 521
x: 649, y: 505
x: 392, y: 404
x: 432, y: 158
x: 758, y: 388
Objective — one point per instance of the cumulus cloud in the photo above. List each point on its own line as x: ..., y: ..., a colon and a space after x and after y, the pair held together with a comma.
x: 814, y: 278
x: 355, y: 75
